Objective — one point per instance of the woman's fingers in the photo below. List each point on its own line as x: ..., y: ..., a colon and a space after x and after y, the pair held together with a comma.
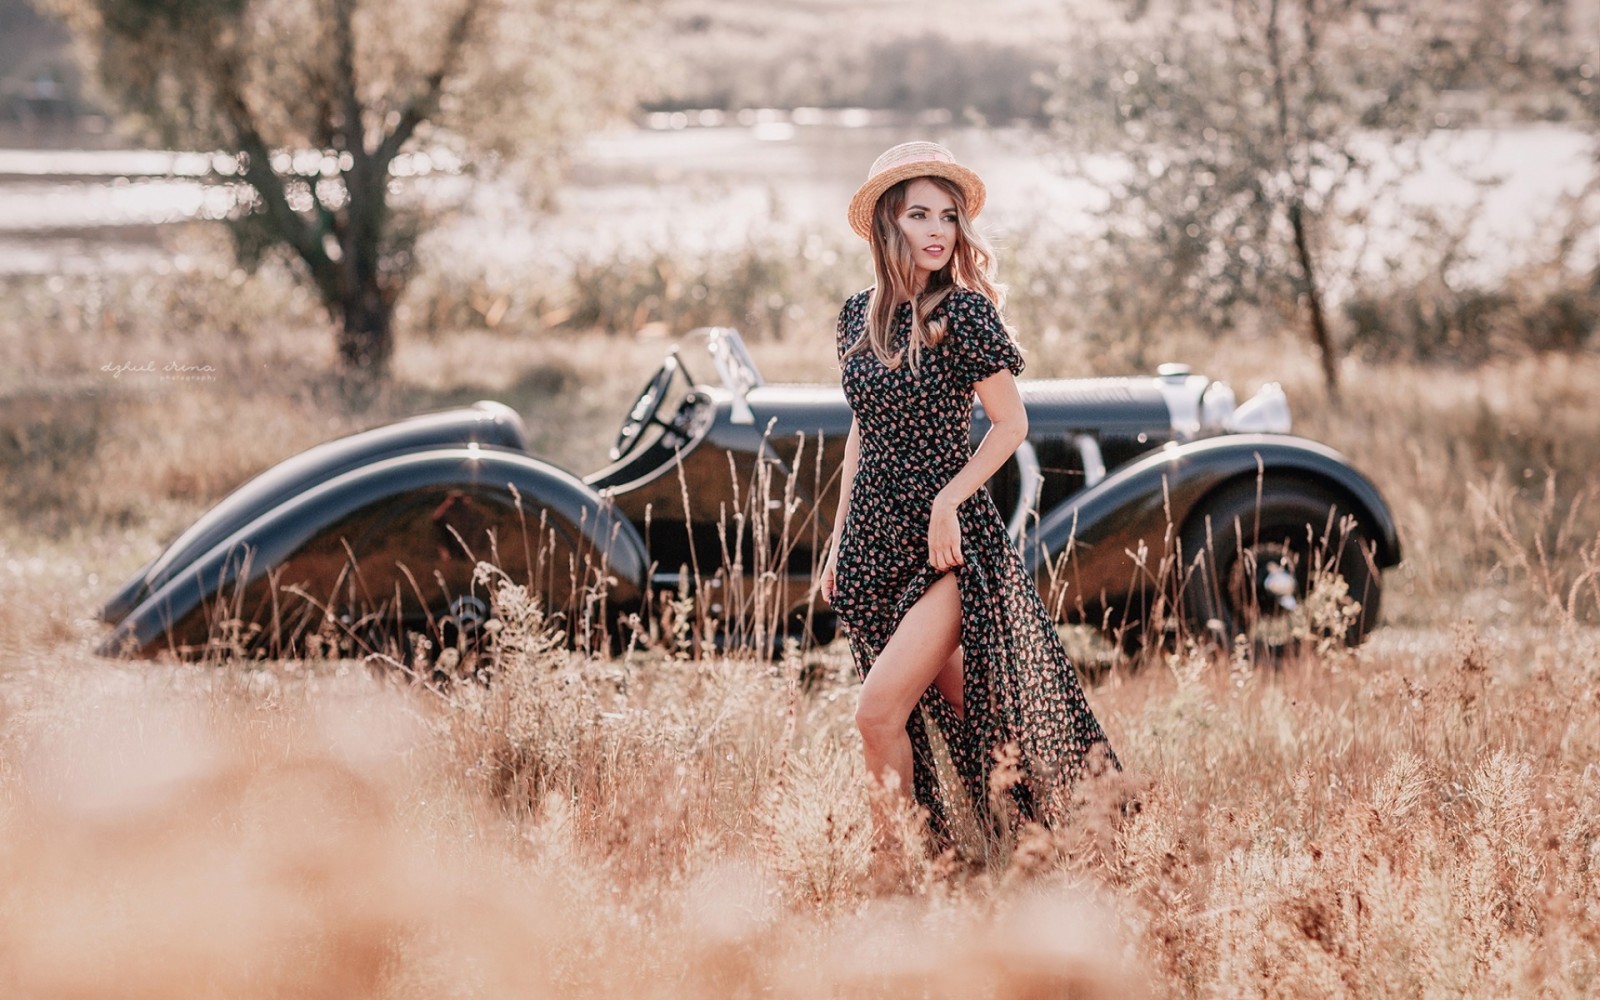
x: 945, y: 558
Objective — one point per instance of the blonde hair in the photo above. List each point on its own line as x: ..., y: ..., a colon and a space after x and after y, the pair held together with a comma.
x: 971, y: 267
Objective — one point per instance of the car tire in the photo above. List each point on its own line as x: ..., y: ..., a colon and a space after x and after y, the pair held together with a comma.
x: 1242, y: 548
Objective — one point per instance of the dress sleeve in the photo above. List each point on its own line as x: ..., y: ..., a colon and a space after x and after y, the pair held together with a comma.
x: 852, y: 321
x: 983, y: 346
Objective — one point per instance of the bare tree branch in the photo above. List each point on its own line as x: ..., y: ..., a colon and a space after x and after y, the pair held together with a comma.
x: 421, y: 106
x: 352, y: 127
x: 261, y: 175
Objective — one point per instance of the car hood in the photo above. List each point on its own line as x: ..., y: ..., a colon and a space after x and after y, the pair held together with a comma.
x: 1111, y: 405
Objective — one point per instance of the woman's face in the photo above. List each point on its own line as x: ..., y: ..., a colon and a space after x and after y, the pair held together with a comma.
x: 928, y: 222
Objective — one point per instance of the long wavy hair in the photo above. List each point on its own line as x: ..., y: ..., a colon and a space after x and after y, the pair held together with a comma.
x: 971, y: 266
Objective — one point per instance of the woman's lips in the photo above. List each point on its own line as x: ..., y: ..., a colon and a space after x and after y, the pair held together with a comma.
x: 934, y: 250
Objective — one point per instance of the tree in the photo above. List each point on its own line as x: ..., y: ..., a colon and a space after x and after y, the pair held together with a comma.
x: 1238, y: 123
x: 317, y: 101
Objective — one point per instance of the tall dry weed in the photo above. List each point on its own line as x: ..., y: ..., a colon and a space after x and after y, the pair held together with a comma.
x: 1550, y: 542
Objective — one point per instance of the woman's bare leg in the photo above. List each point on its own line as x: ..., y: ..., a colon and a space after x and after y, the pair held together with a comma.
x: 920, y: 651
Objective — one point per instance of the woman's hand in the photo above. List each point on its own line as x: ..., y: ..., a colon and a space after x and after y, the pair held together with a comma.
x: 944, y: 535
x: 830, y: 573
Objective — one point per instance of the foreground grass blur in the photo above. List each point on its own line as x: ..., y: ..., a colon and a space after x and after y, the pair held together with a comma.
x: 1415, y: 817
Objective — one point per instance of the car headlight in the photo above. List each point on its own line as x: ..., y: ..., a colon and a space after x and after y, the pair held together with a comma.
x: 1267, y: 412
x: 1216, y: 406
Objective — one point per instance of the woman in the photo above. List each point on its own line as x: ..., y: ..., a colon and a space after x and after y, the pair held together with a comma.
x: 935, y: 602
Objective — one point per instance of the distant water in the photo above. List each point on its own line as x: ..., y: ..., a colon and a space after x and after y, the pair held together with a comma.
x: 703, y: 185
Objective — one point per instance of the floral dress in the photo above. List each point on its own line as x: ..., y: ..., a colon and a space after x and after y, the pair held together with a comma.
x: 1019, y: 686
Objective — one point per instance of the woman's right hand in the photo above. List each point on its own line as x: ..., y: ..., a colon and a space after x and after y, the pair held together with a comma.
x: 830, y: 574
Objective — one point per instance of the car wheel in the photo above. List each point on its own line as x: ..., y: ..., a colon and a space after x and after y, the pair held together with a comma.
x: 1284, y: 566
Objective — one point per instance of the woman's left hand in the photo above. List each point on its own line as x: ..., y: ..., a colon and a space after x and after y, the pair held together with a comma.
x: 944, y: 536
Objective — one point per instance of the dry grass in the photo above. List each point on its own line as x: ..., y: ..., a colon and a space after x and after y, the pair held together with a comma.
x: 1417, y: 817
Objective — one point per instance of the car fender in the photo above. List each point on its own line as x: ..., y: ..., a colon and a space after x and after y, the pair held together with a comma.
x: 485, y: 422
x: 1109, y: 539
x: 393, y: 532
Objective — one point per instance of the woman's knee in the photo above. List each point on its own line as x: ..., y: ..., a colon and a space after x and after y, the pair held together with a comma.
x: 878, y: 718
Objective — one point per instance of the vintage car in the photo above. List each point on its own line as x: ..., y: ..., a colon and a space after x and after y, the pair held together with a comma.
x: 1147, y: 506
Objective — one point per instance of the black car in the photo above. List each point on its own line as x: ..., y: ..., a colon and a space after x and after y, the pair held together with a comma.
x: 1147, y: 506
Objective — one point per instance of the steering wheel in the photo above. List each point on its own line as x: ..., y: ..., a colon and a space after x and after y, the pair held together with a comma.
x: 646, y: 409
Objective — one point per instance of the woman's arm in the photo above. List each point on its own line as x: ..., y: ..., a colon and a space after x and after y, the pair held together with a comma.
x: 1008, y: 420
x: 847, y: 477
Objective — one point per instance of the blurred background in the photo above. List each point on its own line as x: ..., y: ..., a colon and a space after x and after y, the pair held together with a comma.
x: 307, y: 217
x: 686, y: 161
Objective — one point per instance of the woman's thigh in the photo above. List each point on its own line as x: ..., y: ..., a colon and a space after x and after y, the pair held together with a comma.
x: 920, y: 649
x: 951, y: 681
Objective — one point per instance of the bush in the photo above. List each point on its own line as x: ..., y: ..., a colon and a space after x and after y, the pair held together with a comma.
x: 1431, y: 321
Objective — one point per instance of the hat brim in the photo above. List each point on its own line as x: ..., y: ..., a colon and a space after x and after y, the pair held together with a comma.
x: 866, y: 197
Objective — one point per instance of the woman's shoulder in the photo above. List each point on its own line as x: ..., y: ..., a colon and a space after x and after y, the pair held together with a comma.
x: 852, y: 317
x: 981, y: 338
x: 969, y: 299
x: 855, y: 308
x: 967, y: 308
x: 859, y: 300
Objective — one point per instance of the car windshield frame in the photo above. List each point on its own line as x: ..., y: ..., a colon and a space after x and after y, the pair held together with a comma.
x: 735, y: 367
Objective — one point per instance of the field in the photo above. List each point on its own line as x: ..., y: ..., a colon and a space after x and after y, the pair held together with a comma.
x: 1415, y: 817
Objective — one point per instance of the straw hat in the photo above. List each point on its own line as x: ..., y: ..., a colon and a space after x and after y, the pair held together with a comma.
x: 911, y: 159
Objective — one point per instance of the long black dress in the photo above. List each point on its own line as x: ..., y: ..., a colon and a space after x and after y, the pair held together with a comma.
x: 1019, y: 684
